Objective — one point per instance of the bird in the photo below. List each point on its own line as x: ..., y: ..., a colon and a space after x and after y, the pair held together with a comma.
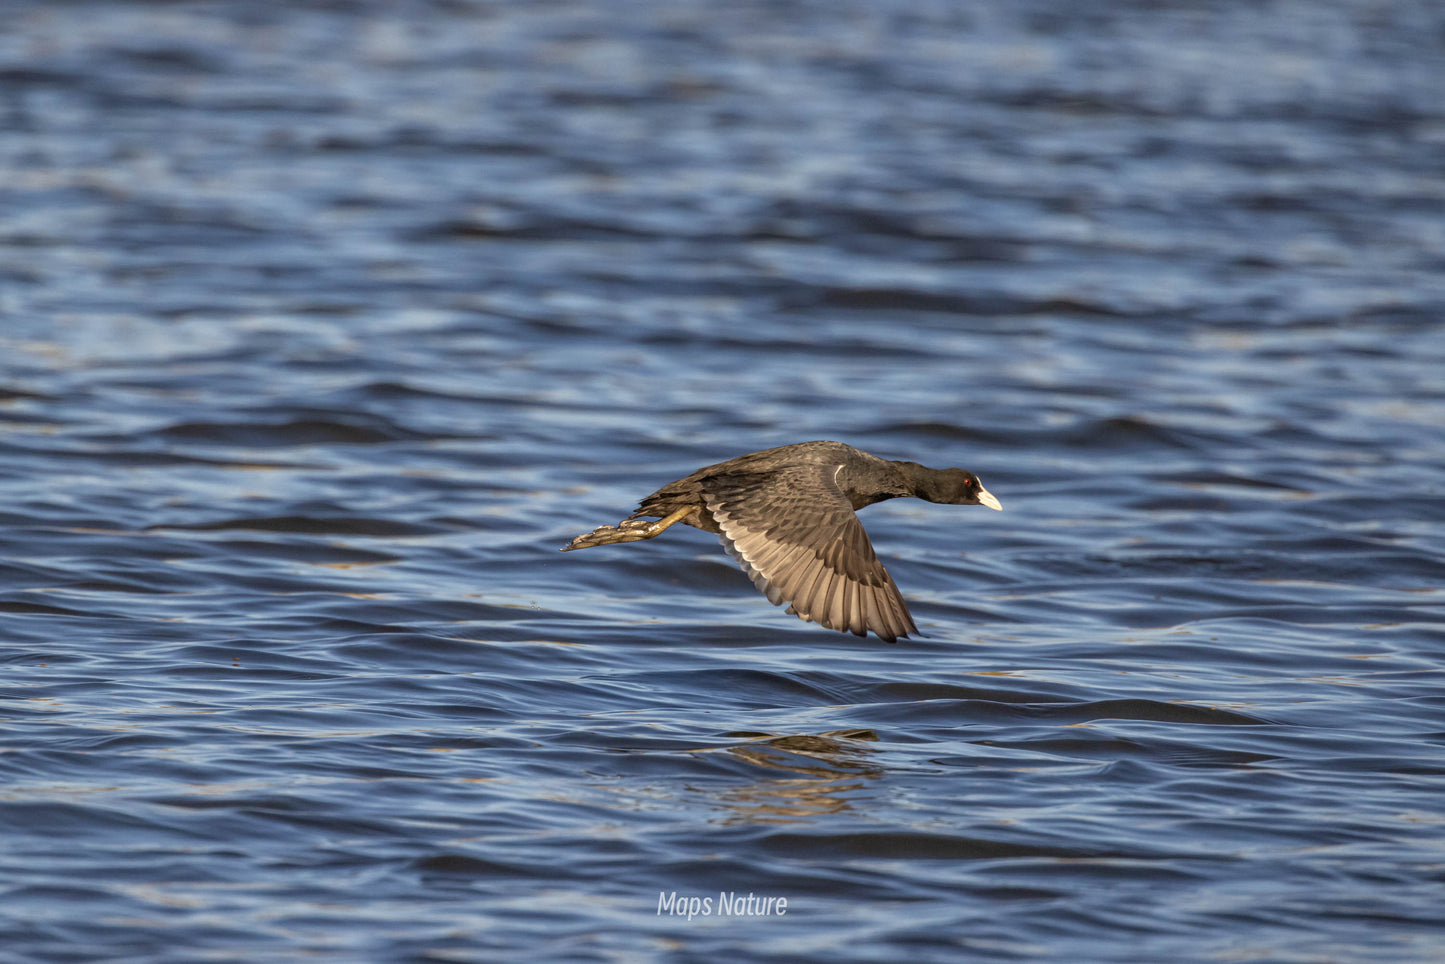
x: 788, y: 516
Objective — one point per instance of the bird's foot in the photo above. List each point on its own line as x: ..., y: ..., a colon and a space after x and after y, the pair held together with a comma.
x: 628, y: 530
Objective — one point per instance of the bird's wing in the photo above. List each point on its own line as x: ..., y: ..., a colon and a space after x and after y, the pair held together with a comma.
x: 795, y: 534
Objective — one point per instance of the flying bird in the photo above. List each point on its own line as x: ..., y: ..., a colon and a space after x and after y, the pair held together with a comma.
x: 787, y: 515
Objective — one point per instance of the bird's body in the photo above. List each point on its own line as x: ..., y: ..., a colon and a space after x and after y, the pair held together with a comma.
x: 787, y: 515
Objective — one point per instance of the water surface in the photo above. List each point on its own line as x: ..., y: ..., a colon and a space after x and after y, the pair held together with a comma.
x: 322, y: 329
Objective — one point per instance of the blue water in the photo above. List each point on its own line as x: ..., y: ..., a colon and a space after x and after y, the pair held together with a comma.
x: 323, y: 327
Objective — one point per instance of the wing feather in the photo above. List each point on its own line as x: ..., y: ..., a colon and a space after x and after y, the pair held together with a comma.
x: 796, y: 535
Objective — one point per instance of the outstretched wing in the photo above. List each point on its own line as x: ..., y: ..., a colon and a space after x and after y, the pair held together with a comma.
x: 796, y: 535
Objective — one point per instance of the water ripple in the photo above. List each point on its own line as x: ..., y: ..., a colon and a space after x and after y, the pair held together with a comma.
x: 324, y: 328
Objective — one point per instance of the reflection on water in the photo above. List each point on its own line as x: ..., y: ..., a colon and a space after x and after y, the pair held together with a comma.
x: 832, y: 774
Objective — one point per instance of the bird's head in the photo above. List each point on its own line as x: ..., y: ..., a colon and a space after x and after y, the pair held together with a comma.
x: 959, y: 487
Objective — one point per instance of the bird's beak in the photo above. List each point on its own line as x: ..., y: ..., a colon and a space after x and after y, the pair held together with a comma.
x: 985, y: 497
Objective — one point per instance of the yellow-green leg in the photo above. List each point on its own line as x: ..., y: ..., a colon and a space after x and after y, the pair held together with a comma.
x: 628, y: 530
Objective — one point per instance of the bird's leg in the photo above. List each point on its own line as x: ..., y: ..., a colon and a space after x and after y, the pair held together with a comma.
x: 628, y: 530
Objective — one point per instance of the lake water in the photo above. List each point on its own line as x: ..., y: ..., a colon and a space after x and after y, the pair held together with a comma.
x: 323, y: 327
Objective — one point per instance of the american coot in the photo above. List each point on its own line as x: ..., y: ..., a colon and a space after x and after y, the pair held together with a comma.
x: 786, y: 515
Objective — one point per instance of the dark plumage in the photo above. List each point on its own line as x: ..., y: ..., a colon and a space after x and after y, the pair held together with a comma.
x: 787, y: 515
